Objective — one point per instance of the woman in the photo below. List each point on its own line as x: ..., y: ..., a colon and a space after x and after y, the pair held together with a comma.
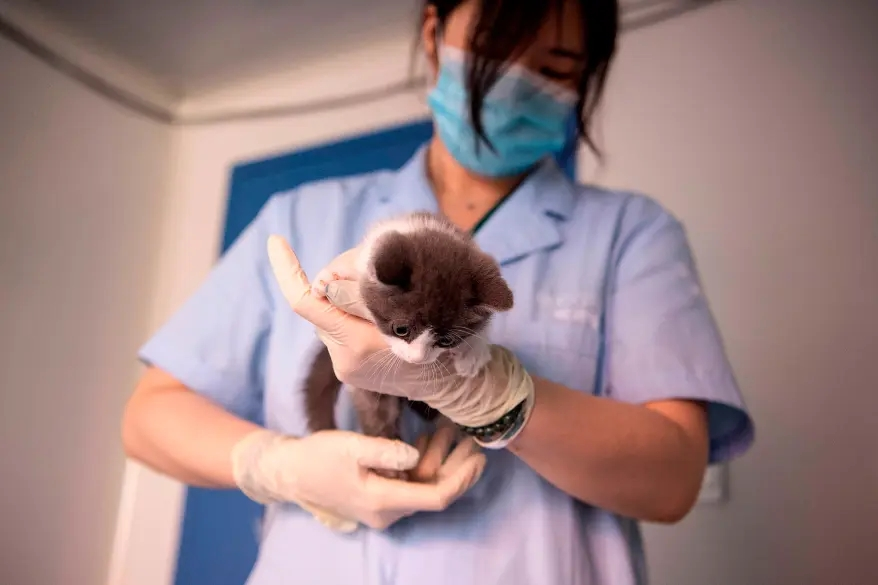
x: 611, y: 347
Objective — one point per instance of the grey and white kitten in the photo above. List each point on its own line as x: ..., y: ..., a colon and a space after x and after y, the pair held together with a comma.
x: 430, y: 290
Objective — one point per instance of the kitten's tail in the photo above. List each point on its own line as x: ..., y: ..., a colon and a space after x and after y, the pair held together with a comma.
x: 321, y: 392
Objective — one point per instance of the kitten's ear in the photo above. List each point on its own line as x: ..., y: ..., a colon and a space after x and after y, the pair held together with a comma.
x: 394, y: 260
x: 492, y: 292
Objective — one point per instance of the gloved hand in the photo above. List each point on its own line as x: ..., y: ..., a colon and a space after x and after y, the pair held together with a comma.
x: 328, y: 474
x: 355, y: 345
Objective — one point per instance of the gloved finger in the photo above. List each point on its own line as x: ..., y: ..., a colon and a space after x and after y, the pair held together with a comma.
x: 465, y: 476
x: 297, y: 290
x: 289, y: 274
x: 337, y: 524
x: 391, y: 494
x: 381, y: 453
x: 461, y: 471
x: 421, y: 444
x: 434, y: 453
x: 459, y: 457
x: 329, y: 519
x: 345, y: 294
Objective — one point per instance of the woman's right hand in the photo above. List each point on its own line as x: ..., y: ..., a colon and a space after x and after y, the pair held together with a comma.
x: 328, y: 473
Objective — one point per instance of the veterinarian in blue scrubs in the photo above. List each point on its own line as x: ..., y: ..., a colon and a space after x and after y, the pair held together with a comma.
x: 618, y: 387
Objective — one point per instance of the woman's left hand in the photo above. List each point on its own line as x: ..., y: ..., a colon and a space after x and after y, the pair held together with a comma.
x: 357, y: 346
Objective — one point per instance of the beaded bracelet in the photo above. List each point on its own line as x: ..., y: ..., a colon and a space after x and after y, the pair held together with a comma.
x: 500, y: 433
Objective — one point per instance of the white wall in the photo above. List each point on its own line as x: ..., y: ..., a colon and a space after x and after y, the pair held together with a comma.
x: 753, y: 122
x: 82, y: 186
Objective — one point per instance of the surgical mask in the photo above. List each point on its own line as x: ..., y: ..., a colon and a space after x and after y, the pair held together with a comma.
x: 524, y: 116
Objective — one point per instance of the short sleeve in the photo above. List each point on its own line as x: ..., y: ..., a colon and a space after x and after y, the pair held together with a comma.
x: 215, y: 343
x: 663, y: 341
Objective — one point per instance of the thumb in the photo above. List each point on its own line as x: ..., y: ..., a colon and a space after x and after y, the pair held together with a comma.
x: 295, y: 286
x: 381, y: 453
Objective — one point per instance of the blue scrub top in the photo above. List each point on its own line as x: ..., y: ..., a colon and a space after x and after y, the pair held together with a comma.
x: 607, y: 301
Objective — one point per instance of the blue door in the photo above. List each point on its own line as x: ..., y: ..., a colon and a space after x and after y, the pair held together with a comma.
x: 219, y: 539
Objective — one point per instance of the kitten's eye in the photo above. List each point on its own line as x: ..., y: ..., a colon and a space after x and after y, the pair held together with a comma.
x: 400, y: 329
x: 445, y: 341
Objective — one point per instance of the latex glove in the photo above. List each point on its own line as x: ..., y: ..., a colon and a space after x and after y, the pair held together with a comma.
x: 328, y: 474
x: 356, y: 345
x: 341, y: 268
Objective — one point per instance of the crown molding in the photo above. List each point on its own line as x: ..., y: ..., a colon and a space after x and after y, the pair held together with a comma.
x: 93, y: 60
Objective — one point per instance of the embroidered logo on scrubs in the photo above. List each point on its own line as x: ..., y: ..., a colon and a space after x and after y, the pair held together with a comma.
x: 568, y: 309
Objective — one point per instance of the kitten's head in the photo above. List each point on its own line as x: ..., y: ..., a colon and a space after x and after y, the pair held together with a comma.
x: 429, y: 291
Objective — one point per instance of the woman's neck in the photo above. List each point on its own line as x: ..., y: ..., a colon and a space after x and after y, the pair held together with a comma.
x: 463, y: 197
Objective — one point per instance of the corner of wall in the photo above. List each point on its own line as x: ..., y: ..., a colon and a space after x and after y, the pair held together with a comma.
x: 85, y: 54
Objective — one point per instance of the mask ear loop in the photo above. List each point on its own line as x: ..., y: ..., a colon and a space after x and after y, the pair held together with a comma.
x: 425, y: 82
x: 437, y: 43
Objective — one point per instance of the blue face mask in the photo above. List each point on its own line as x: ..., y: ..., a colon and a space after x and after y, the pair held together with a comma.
x: 525, y: 117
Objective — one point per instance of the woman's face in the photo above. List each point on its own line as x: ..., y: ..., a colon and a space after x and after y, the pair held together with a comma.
x: 557, y: 52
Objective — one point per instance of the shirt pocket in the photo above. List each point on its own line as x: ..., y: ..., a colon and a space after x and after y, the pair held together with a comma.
x: 565, y: 351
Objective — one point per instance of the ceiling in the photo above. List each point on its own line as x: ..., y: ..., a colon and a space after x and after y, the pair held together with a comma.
x: 197, y: 46
x: 169, y: 53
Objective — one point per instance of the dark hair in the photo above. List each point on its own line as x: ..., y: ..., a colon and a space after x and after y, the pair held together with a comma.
x: 503, y: 30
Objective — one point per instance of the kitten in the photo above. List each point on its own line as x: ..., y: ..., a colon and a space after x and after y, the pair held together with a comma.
x: 429, y: 290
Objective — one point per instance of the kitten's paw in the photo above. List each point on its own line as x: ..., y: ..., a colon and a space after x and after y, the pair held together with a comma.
x: 470, y: 363
x: 325, y: 276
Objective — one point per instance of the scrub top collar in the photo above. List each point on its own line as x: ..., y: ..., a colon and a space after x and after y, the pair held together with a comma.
x: 535, y: 209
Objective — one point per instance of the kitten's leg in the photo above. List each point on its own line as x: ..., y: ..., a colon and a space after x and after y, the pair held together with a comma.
x: 472, y: 355
x: 321, y: 393
x: 380, y: 416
